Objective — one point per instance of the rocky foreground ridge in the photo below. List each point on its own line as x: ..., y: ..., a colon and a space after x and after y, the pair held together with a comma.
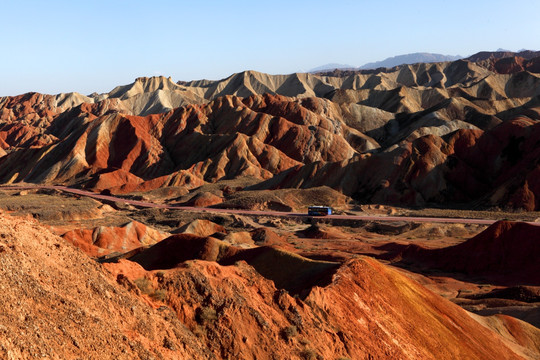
x: 460, y: 132
x: 58, y: 303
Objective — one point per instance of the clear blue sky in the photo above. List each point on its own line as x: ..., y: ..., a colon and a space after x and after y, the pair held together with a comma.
x: 86, y: 46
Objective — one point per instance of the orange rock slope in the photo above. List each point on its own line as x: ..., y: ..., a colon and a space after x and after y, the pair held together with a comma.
x: 103, y: 240
x: 506, y: 252
x: 58, y: 303
x: 498, y: 167
x: 366, y: 310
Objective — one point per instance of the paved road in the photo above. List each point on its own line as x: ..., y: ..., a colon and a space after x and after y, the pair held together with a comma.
x: 251, y: 212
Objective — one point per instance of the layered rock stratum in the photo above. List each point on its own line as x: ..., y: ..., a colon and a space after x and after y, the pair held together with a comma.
x: 452, y: 132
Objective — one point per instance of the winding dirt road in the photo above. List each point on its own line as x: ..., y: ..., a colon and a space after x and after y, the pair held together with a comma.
x: 251, y: 212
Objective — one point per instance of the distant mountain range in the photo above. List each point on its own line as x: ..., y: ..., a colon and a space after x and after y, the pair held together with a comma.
x: 332, y: 66
x: 428, y: 58
x: 391, y: 62
x: 410, y: 59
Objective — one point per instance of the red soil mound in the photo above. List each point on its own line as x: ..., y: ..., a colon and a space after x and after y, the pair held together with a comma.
x: 529, y: 294
x: 57, y: 303
x: 104, y: 240
x: 289, y: 271
x: 201, y: 227
x: 265, y: 237
x: 204, y: 199
x: 320, y: 232
x: 505, y: 251
x: 29, y: 106
x: 511, y: 63
x: 179, y: 248
x: 365, y: 312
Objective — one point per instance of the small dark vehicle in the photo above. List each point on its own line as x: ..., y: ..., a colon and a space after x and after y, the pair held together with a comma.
x: 319, y: 210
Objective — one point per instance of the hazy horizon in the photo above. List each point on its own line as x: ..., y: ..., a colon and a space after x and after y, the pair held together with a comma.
x: 62, y: 46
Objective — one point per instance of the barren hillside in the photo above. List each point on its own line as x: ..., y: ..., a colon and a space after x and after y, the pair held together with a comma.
x: 58, y: 303
x: 460, y: 133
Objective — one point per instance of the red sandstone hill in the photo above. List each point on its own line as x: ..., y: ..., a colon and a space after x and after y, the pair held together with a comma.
x: 288, y: 271
x: 58, y: 303
x: 506, y: 252
x: 240, y: 313
x: 234, y: 140
x: 104, y: 240
x: 487, y: 55
x: 512, y: 64
x: 424, y: 133
x: 499, y: 166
